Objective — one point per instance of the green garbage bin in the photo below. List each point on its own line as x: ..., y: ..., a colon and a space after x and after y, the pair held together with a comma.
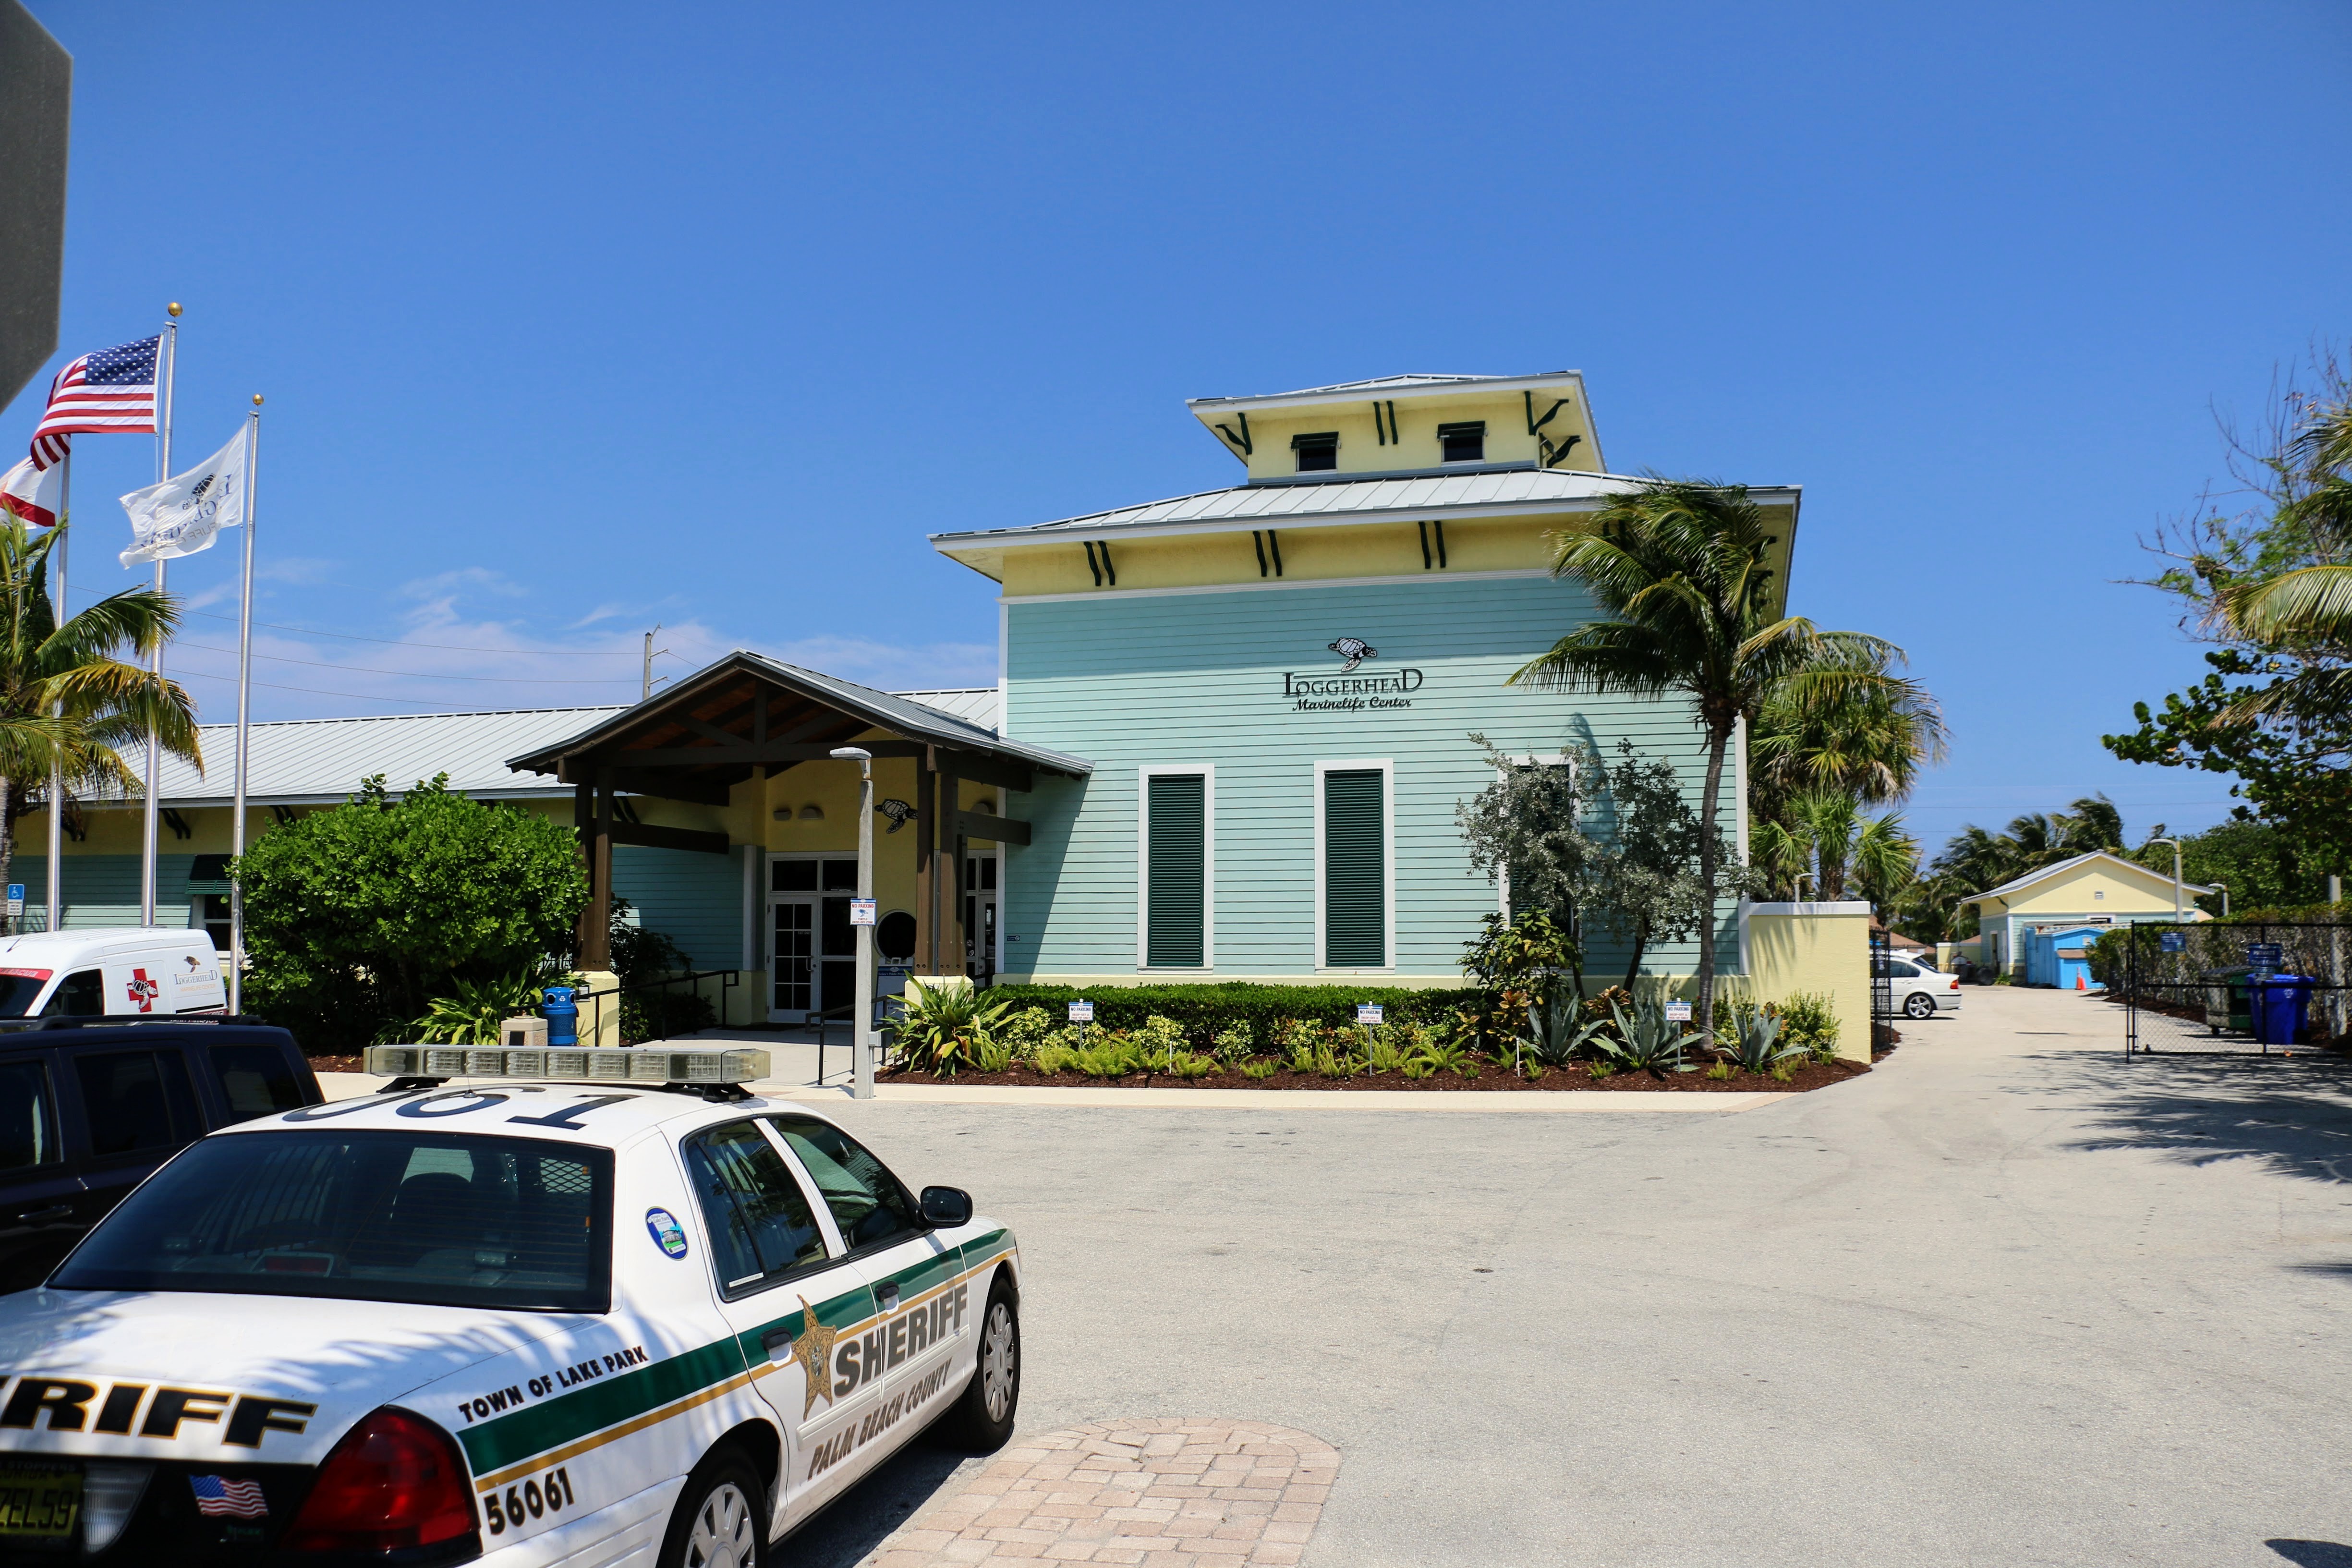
x: 2229, y: 1000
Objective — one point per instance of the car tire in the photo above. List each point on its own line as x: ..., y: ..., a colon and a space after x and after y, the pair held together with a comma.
x: 1918, y: 1004
x: 981, y: 1421
x: 721, y: 1517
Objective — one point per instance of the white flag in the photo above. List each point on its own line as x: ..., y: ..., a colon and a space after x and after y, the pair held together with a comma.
x: 180, y: 516
x: 32, y: 493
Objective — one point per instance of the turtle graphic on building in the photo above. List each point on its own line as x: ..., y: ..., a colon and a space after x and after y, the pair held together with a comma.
x: 1355, y: 650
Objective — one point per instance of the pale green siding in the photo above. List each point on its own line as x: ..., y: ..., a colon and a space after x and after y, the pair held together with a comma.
x: 1172, y: 680
x: 695, y: 900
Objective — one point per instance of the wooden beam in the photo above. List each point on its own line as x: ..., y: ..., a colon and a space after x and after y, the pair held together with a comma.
x: 673, y: 786
x: 982, y: 769
x: 596, y: 951
x: 927, y: 871
x: 584, y: 823
x: 1002, y: 830
x: 772, y: 751
x: 648, y: 836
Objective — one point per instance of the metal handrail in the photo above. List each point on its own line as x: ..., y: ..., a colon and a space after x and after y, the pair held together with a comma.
x: 728, y: 980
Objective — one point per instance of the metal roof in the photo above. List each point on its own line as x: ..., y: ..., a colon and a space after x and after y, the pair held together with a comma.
x: 1485, y: 494
x: 309, y: 762
x: 1392, y: 385
x: 2052, y: 869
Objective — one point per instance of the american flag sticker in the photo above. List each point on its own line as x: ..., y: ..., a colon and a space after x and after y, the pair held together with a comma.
x: 239, y: 1500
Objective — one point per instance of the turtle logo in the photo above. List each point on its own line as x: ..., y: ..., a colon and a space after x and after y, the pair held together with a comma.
x: 898, y: 811
x: 142, y: 991
x: 1355, y: 650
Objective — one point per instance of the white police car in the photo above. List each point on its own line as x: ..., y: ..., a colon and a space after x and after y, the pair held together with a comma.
x: 589, y: 1307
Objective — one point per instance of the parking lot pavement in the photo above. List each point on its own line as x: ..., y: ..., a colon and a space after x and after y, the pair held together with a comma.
x: 2008, y: 1300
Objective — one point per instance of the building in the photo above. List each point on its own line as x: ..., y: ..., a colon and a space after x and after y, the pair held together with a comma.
x: 2096, y: 890
x: 1228, y: 738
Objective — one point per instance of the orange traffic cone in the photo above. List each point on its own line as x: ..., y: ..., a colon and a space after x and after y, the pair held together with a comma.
x: 2078, y: 982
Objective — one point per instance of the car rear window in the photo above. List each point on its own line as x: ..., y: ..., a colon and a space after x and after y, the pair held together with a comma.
x: 256, y: 1080
x: 445, y: 1219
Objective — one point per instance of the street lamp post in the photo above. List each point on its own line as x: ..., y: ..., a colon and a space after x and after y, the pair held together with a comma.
x: 2175, y: 875
x: 861, y: 1034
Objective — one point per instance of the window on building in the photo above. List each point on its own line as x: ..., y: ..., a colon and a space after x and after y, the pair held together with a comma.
x: 211, y: 913
x: 1176, y: 870
x: 1463, y: 443
x: 1317, y: 453
x: 1355, y: 869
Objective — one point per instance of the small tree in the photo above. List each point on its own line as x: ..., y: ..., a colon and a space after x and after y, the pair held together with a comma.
x: 364, y: 913
x: 1645, y: 884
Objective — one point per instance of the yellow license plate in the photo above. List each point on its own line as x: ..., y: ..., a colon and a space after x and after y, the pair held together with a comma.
x: 39, y: 1499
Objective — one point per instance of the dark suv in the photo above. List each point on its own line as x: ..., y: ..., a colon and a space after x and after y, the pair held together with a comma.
x: 88, y: 1106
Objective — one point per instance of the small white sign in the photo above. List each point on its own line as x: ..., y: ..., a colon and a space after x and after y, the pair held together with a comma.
x: 1677, y: 1012
x: 1368, y: 1013
x: 15, y: 899
x: 1081, y: 1012
x: 861, y: 912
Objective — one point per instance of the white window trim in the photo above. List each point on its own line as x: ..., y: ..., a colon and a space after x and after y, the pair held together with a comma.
x: 1207, y: 774
x: 1503, y: 873
x: 1387, y: 767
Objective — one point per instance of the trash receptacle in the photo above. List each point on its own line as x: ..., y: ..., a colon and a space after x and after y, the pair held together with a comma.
x: 2280, y: 1004
x: 2226, y: 1004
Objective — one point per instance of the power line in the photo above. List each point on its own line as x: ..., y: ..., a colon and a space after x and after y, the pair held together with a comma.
x: 412, y: 674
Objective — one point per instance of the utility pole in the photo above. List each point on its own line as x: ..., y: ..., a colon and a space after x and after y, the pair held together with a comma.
x: 862, y: 1036
x: 650, y: 652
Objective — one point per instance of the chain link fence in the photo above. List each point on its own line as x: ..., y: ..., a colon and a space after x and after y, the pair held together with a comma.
x: 2213, y: 989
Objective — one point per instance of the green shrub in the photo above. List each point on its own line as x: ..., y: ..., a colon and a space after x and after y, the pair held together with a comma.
x: 1808, y: 1022
x: 1051, y: 1059
x: 1259, y: 1070
x: 472, y: 1014
x: 943, y: 1029
x: 1235, y: 1043
x: 1206, y: 1012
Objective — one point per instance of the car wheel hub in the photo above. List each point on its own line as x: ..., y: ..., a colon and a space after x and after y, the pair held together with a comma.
x: 723, y: 1535
x: 997, y: 1357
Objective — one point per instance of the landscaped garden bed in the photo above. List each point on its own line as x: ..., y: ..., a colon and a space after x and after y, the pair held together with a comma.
x: 1491, y: 1078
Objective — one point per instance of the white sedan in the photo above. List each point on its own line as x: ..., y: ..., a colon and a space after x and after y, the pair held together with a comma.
x: 1919, y: 992
x: 635, y: 1319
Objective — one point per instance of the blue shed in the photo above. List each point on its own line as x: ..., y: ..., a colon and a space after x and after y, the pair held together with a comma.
x: 2061, y: 956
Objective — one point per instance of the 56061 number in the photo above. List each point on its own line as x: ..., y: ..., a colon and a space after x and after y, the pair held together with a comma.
x: 550, y: 1493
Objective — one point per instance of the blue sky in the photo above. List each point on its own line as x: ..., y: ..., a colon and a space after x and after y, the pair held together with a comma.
x: 576, y: 319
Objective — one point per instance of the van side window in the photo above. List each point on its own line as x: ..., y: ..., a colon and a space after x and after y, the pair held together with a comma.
x: 256, y: 1080
x: 137, y: 1102
x: 80, y: 995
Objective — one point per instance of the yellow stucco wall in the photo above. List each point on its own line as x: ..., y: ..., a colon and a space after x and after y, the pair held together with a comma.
x: 1827, y: 952
x: 1416, y: 445
x: 1309, y: 554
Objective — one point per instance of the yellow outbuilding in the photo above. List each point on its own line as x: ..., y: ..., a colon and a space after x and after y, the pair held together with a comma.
x: 2094, y: 889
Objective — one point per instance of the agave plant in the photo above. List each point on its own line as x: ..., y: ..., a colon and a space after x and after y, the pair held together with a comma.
x: 1648, y: 1040
x: 1557, y: 1030
x: 1753, y: 1042
x: 943, y: 1028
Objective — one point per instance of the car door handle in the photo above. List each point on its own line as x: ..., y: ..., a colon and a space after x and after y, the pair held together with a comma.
x: 886, y: 1298
x: 49, y: 1216
x: 775, y: 1342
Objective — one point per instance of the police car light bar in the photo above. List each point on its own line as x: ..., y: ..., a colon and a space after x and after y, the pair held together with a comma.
x: 630, y: 1066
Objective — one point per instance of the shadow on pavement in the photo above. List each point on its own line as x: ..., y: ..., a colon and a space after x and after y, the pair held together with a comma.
x: 2313, y: 1553
x: 2294, y: 1115
x: 858, y: 1520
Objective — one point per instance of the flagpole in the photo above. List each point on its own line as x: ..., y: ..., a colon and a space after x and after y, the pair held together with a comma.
x: 154, y: 747
x: 56, y: 764
x: 243, y: 685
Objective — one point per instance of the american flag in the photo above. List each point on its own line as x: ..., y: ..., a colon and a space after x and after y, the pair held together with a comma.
x: 109, y: 391
x: 240, y: 1499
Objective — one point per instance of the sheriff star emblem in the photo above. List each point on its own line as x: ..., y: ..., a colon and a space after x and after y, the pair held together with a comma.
x: 813, y: 1347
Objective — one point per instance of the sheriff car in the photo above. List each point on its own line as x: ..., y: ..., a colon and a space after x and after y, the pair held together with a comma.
x: 582, y: 1307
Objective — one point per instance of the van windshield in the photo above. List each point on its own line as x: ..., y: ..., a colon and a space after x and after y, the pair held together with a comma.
x: 441, y: 1218
x: 18, y: 988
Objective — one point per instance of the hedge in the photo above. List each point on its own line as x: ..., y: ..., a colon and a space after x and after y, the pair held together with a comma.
x: 1203, y: 1010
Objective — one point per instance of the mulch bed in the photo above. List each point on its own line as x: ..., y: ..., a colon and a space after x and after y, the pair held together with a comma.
x: 335, y: 1064
x: 1490, y: 1080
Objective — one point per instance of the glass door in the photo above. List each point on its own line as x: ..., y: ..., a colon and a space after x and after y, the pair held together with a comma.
x: 980, y: 915
x: 813, y: 948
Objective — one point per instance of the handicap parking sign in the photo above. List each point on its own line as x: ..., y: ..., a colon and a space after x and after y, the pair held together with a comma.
x: 15, y: 898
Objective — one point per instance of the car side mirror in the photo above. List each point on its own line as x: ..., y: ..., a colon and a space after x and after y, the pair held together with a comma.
x: 944, y: 1208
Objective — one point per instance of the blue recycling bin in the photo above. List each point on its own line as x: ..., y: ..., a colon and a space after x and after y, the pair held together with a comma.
x: 2279, y: 1002
x: 560, y: 1006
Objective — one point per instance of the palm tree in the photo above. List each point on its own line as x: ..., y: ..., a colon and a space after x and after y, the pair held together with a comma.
x: 2305, y: 612
x: 1870, y: 747
x: 66, y: 701
x: 1684, y: 570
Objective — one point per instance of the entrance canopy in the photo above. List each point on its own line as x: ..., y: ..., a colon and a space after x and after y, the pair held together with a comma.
x: 747, y: 717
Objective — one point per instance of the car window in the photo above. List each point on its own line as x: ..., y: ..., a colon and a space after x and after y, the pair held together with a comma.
x: 757, y: 1219
x: 18, y: 987
x: 868, y: 1202
x: 256, y: 1081
x: 137, y: 1103
x: 446, y: 1219
x: 28, y: 1116
x: 1896, y: 966
x: 81, y: 994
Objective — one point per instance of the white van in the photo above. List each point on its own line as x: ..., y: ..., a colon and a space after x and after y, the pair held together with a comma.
x: 154, y: 969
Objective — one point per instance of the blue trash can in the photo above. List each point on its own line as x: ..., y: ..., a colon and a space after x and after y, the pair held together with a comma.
x: 560, y: 1006
x: 2281, y: 1002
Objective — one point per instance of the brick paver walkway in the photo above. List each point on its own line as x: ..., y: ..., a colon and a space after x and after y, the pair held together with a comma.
x: 1164, y: 1494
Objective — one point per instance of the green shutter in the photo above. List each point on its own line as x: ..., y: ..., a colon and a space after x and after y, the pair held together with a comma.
x: 1355, y: 902
x: 1176, y: 901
